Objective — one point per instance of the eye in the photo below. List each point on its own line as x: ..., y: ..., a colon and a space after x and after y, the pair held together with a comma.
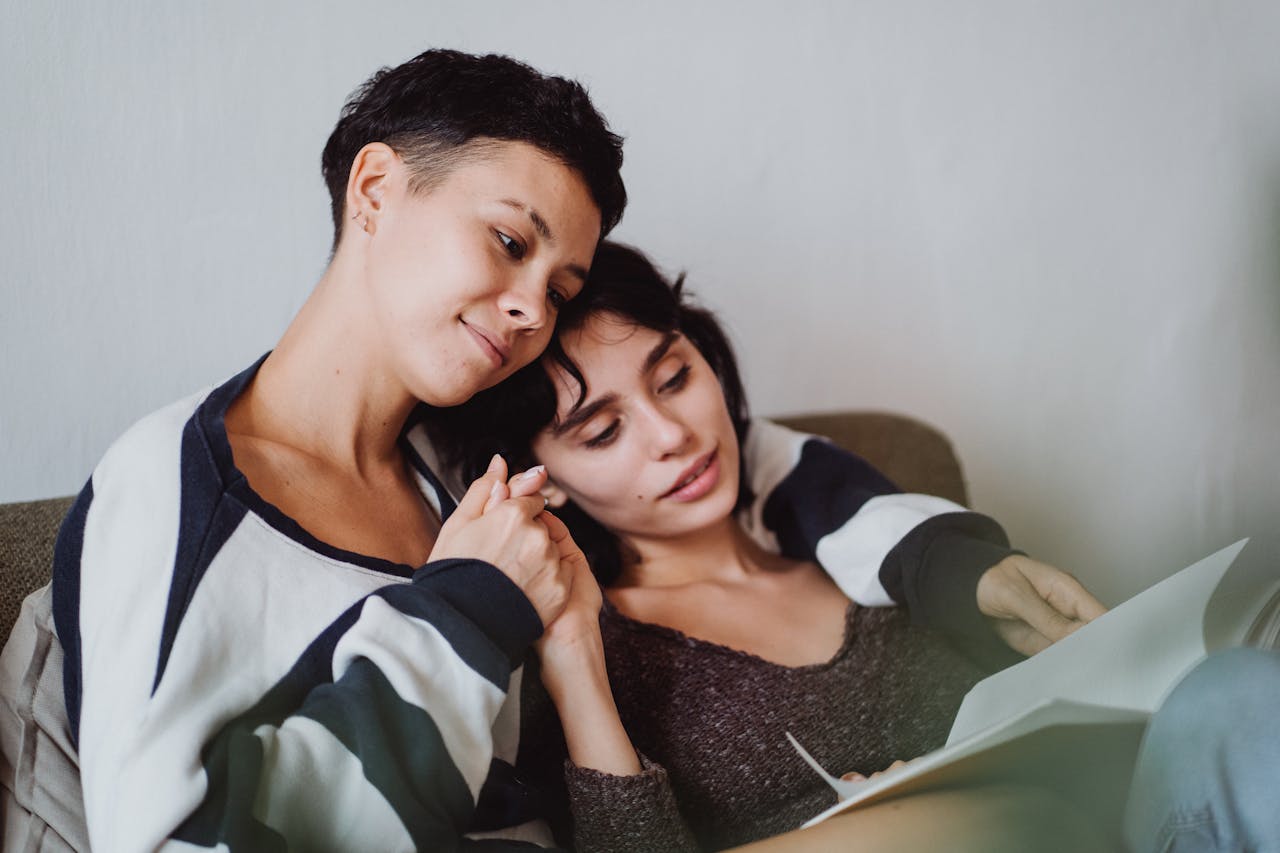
x: 556, y: 298
x: 676, y: 382
x: 513, y: 247
x: 604, y: 438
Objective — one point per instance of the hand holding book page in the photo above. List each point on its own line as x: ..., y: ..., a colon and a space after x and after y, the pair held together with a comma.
x: 1115, y: 671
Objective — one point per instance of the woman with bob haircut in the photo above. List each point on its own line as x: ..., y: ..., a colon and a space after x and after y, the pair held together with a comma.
x: 672, y: 693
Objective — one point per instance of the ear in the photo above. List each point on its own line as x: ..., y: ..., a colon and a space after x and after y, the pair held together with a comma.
x: 555, y: 495
x: 371, y: 172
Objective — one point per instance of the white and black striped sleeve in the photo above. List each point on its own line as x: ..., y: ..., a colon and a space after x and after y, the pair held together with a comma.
x: 392, y: 751
x: 814, y: 500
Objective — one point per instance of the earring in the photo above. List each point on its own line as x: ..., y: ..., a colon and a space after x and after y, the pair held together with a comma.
x: 364, y: 226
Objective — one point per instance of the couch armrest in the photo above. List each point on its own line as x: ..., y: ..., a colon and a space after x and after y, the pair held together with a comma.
x: 914, y: 455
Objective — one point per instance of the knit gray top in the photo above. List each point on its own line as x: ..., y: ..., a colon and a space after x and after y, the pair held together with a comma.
x: 710, y: 722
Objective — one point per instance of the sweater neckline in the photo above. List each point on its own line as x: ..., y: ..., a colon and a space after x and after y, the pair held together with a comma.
x: 678, y: 637
x: 211, y: 420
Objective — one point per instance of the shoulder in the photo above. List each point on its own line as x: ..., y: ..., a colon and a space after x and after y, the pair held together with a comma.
x: 149, y: 438
x: 147, y: 457
x: 182, y: 440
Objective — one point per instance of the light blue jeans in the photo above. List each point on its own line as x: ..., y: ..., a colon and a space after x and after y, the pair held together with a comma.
x: 1208, y: 772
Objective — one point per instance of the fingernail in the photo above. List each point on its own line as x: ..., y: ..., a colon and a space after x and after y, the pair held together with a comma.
x: 494, y: 463
x: 532, y: 472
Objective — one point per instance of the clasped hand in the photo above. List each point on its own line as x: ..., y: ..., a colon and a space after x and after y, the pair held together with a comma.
x: 505, y: 523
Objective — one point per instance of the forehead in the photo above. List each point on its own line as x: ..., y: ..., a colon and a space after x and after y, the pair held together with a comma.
x: 609, y: 351
x: 606, y: 342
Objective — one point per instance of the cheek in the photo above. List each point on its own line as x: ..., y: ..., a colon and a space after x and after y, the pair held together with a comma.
x: 601, y: 488
x: 602, y: 485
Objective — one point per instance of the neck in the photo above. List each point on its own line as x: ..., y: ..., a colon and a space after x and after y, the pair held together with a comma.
x: 323, y: 389
x: 721, y: 553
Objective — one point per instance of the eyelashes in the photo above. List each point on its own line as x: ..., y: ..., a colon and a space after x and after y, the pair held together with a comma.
x: 610, y: 433
x: 605, y: 438
x: 675, y: 383
x: 511, y: 245
x: 516, y: 251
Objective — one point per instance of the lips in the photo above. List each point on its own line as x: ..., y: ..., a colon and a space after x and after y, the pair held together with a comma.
x: 696, y: 480
x: 493, y: 346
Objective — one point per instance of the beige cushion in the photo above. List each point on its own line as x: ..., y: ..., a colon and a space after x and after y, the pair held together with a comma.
x: 39, y: 772
x: 912, y: 454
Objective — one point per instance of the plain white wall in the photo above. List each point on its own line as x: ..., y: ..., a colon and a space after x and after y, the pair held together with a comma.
x: 1052, y: 230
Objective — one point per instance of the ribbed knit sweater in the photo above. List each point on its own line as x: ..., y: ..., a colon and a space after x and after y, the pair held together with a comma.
x: 710, y: 722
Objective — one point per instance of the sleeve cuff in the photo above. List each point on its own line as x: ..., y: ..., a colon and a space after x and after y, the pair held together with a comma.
x: 489, y: 599
x: 626, y: 813
x: 940, y: 562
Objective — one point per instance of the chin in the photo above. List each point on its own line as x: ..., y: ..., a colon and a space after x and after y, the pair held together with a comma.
x: 456, y: 389
x: 444, y: 396
x: 710, y: 510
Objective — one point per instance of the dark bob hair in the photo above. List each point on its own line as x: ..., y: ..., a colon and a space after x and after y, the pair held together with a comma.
x: 439, y: 108
x: 505, y: 419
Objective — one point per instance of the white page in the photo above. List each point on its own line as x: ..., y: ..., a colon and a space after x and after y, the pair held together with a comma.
x: 1129, y: 657
x: 916, y: 774
x: 1056, y: 712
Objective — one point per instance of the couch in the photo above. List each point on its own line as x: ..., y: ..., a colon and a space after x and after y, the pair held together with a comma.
x: 914, y: 455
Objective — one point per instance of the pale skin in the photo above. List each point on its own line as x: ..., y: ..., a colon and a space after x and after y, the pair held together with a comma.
x: 656, y: 461
x: 430, y: 296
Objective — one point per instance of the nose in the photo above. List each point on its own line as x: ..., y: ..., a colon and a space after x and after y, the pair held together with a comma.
x: 525, y: 302
x: 669, y: 434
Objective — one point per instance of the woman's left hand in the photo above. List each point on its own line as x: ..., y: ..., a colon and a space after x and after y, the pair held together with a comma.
x: 1032, y: 605
x: 855, y: 776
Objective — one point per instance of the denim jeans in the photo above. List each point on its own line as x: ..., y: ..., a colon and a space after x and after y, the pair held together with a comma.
x: 1208, y: 771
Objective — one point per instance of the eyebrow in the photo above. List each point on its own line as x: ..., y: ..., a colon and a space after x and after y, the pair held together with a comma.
x: 659, y: 351
x: 544, y: 231
x: 581, y: 415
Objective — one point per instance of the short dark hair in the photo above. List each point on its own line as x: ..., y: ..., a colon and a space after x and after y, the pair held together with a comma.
x: 505, y: 419
x: 434, y: 110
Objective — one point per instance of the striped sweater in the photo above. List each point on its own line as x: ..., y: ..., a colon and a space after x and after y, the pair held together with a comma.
x: 235, y: 683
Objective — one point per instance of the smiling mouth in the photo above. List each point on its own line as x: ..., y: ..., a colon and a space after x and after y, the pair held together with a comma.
x: 692, y: 475
x: 493, y: 347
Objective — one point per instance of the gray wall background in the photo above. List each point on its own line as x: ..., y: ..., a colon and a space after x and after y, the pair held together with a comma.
x: 1050, y: 229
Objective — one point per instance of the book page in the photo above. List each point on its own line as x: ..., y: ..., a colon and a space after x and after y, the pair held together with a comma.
x: 1130, y: 657
x: 1057, y: 741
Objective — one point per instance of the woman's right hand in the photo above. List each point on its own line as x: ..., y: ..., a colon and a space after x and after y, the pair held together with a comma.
x: 571, y: 655
x: 575, y: 633
x: 579, y: 622
x: 504, y: 531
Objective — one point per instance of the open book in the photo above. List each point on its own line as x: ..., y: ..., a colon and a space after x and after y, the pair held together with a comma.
x: 1071, y: 717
